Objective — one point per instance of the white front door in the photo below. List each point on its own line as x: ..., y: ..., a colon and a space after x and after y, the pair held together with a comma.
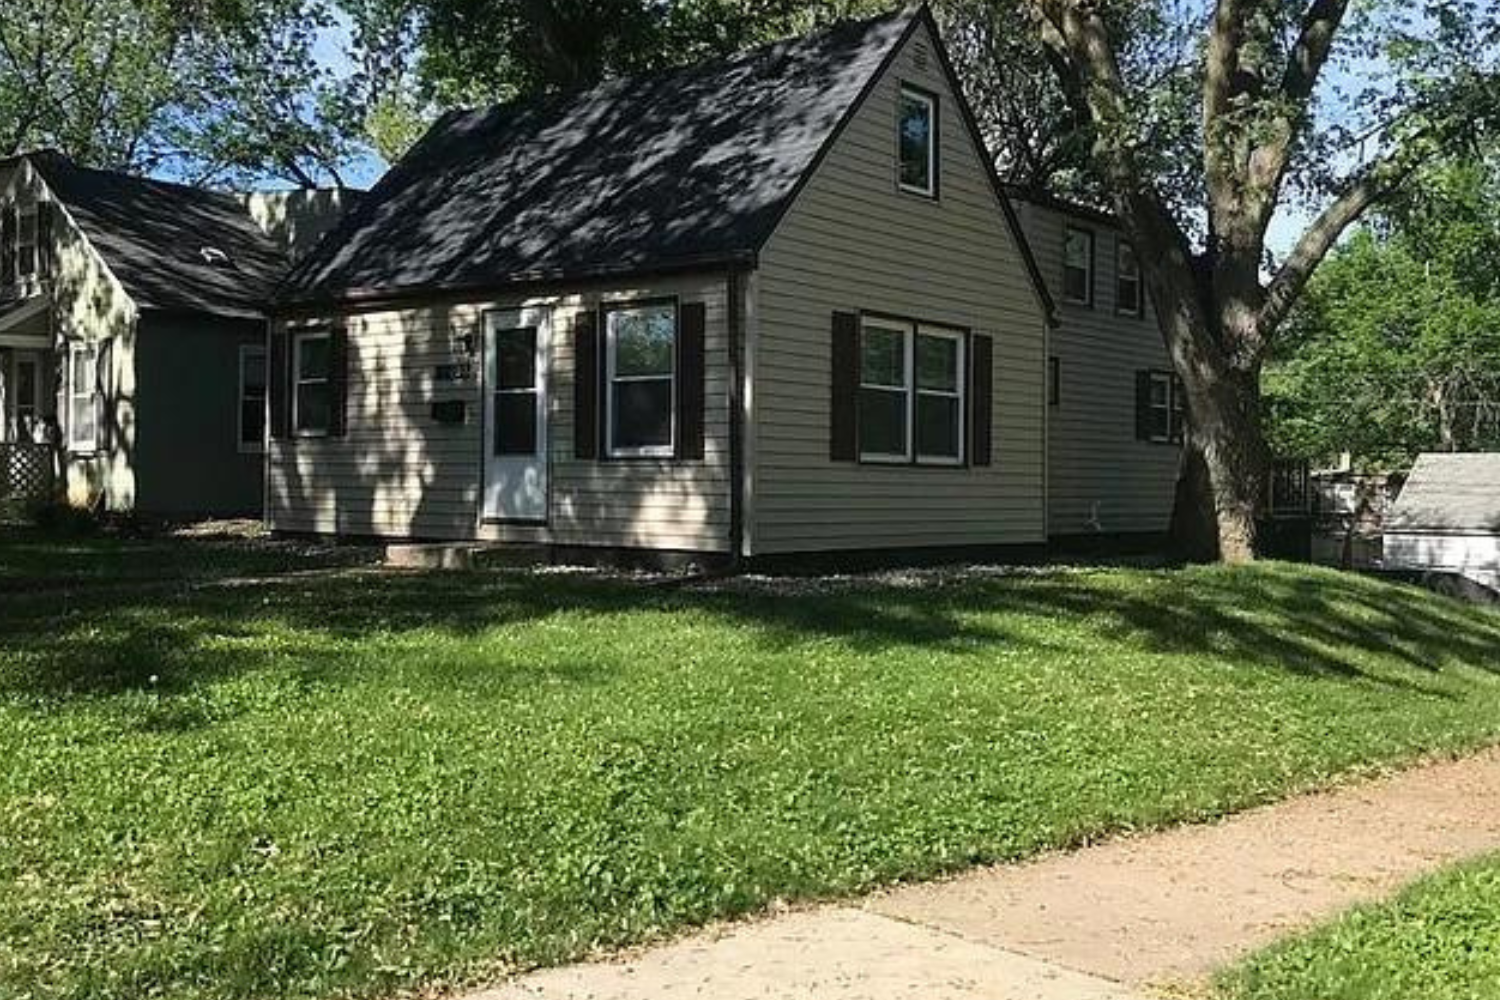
x: 515, y: 414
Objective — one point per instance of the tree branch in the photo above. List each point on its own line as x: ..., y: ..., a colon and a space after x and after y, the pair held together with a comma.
x: 1376, y: 183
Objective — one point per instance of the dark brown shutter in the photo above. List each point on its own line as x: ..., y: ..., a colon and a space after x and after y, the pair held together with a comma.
x: 586, y: 385
x: 279, y: 390
x: 692, y: 320
x: 44, y: 249
x: 1179, y: 410
x: 1143, y: 406
x: 843, y: 418
x: 981, y: 398
x: 10, y: 232
x: 338, y: 379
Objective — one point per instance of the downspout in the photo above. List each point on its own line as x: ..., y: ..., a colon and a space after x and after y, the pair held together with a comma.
x: 735, y: 298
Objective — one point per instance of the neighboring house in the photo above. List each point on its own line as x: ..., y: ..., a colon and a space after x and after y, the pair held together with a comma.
x: 760, y: 308
x: 1115, y: 411
x: 132, y: 335
x: 1447, y: 518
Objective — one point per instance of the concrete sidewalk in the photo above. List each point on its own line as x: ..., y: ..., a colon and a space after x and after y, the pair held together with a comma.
x: 1121, y: 920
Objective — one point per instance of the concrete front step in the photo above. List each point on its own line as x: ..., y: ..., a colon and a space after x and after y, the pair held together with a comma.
x: 464, y: 555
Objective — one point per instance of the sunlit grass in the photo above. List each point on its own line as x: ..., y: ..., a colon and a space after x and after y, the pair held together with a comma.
x: 355, y: 785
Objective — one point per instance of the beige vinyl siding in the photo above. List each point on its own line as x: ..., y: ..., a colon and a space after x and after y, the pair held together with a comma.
x: 400, y: 474
x: 1101, y: 479
x: 853, y: 242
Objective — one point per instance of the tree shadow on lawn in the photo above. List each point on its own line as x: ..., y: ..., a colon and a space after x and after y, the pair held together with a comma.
x: 1310, y: 622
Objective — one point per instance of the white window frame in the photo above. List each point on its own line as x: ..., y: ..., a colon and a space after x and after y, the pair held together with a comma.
x: 904, y: 330
x: 245, y: 447
x: 1088, y: 267
x: 77, y: 443
x: 960, y: 393
x: 28, y: 210
x: 1163, y: 379
x: 1138, y: 307
x: 299, y: 339
x: 611, y: 311
x: 908, y: 92
x: 911, y: 392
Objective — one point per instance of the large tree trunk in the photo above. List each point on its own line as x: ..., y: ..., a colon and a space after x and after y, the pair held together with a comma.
x: 1220, y: 491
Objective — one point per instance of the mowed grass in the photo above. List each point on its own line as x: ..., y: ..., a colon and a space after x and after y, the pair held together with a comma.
x: 1439, y: 940
x: 353, y: 786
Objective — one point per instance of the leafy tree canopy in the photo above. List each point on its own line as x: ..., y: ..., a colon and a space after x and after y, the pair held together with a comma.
x: 1396, y: 348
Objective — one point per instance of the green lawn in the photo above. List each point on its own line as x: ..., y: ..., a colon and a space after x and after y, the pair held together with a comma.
x: 1440, y: 940
x: 354, y: 785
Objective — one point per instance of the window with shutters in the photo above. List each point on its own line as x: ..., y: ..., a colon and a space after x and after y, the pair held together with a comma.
x: 312, y: 383
x: 912, y: 392
x: 1160, y: 417
x: 1130, y: 293
x: 917, y: 141
x: 252, y: 399
x: 83, y: 397
x: 1078, y: 265
x: 640, y: 343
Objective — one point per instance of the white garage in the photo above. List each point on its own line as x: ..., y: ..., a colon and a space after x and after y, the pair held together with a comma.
x: 1447, y: 518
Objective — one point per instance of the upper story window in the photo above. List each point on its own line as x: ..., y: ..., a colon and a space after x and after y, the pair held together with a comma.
x: 1130, y: 293
x: 641, y: 379
x: 253, y: 384
x: 1078, y: 265
x: 23, y: 225
x: 911, y: 392
x: 312, y: 383
x: 917, y: 141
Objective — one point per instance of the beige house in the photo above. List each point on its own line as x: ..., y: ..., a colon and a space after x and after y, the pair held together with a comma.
x: 132, y: 337
x: 758, y: 309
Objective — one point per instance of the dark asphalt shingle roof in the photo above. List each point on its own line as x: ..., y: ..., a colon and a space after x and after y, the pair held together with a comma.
x: 1450, y: 493
x: 673, y: 169
x: 152, y: 234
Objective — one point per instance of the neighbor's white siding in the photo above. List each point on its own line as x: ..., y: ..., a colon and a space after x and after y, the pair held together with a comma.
x: 400, y: 474
x: 1101, y: 479
x: 1476, y: 555
x: 852, y: 241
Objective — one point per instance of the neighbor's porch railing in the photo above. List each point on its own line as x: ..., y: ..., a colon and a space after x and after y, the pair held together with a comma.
x: 1289, y: 489
x: 27, y: 471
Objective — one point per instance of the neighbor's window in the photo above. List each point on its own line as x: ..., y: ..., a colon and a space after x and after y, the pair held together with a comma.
x: 1078, y: 265
x: 252, y: 427
x: 916, y: 139
x: 1162, y: 408
x: 27, y: 240
x: 1129, y: 292
x: 641, y: 348
x: 83, y: 397
x: 911, y: 392
x: 312, y: 396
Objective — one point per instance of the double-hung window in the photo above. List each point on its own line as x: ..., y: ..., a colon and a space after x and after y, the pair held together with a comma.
x: 917, y: 141
x: 1130, y: 299
x: 641, y: 379
x: 1078, y: 265
x: 1161, y: 408
x: 83, y: 397
x: 911, y: 392
x: 252, y: 398
x: 312, y: 383
x: 27, y: 240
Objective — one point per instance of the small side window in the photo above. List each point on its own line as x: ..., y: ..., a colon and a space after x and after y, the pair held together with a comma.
x: 917, y: 141
x: 1078, y: 265
x: 1054, y: 381
x: 83, y: 398
x: 1130, y: 298
x: 252, y: 399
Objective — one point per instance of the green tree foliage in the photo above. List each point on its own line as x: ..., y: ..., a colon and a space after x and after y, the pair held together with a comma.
x: 213, y: 91
x: 1396, y: 348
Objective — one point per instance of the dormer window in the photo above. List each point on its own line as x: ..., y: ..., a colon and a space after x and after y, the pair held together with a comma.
x: 917, y: 141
